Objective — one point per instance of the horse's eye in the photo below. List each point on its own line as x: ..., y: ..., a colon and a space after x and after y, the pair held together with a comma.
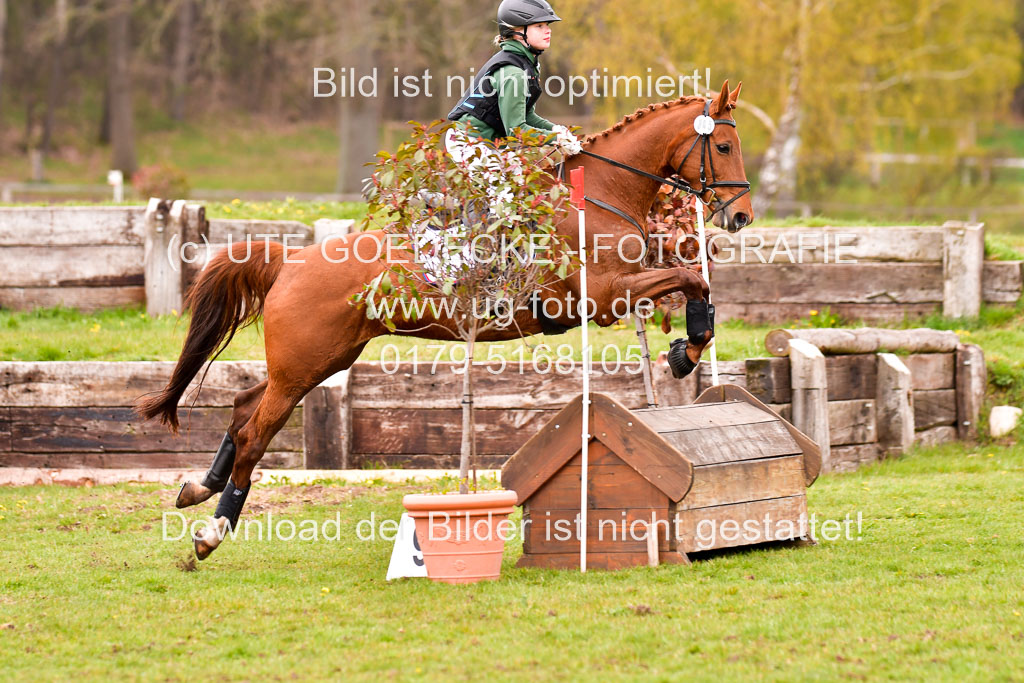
x: 724, y: 148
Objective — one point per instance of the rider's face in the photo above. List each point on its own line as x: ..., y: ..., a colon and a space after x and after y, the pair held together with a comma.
x: 539, y: 35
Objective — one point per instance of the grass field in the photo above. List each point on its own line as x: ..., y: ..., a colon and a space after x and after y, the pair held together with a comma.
x: 930, y: 588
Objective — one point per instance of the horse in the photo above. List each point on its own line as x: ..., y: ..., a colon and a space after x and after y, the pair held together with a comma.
x: 312, y: 328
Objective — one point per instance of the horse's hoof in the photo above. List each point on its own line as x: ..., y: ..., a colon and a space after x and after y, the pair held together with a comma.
x: 678, y: 362
x: 192, y: 494
x: 206, y: 541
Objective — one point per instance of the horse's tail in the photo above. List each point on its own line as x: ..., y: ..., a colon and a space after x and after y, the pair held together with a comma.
x: 228, y: 296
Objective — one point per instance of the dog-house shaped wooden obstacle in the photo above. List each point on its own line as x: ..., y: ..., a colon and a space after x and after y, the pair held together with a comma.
x: 723, y: 472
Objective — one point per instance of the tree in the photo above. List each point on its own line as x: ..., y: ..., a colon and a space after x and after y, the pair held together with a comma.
x: 122, y: 117
x: 495, y: 244
x: 182, y: 57
x: 3, y: 33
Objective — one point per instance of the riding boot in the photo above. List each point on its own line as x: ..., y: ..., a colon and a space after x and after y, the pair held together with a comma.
x: 214, y: 481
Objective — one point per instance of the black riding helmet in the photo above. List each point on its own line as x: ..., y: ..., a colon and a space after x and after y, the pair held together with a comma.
x: 513, y: 13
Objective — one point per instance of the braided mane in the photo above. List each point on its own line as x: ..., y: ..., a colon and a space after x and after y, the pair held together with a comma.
x: 639, y: 113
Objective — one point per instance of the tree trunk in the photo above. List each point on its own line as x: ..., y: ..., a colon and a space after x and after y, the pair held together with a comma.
x: 358, y: 116
x: 777, y: 179
x: 3, y: 32
x: 122, y: 125
x: 56, y: 84
x: 182, y: 56
x: 468, y: 418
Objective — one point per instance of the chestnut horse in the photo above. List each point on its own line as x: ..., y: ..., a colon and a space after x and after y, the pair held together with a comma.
x: 312, y: 329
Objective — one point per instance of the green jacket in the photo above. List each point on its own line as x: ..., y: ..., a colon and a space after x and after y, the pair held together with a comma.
x: 512, y: 88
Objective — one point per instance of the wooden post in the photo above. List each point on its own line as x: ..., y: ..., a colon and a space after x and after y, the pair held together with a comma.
x: 162, y: 257
x: 327, y: 424
x: 326, y: 228
x: 894, y: 407
x: 963, y: 257
x: 645, y: 360
x: 810, y: 395
x: 652, y: 544
x: 195, y: 232
x: 971, y: 378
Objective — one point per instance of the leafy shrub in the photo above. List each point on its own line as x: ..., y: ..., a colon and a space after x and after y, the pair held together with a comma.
x: 163, y: 180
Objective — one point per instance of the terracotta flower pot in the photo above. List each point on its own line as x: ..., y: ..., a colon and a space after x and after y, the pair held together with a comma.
x: 462, y: 536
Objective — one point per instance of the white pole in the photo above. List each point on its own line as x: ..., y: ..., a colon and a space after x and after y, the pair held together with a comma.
x: 576, y: 178
x: 702, y: 245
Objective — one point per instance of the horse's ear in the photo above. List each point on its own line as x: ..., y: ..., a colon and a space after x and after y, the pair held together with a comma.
x: 734, y: 96
x: 722, y: 103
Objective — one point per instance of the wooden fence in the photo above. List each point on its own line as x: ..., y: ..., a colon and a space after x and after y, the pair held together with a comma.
x: 95, y: 257
x: 100, y: 257
x: 78, y: 414
x: 899, y: 272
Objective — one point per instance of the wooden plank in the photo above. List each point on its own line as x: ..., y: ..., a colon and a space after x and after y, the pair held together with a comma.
x: 85, y: 299
x: 407, y: 431
x: 74, y: 430
x: 608, y: 531
x: 611, y: 484
x: 641, y: 447
x: 851, y: 377
x: 935, y: 436
x: 963, y: 258
x: 722, y: 526
x: 415, y: 386
x: 595, y: 561
x: 851, y: 422
x: 5, y: 429
x: 545, y: 453
x: 971, y: 381
x: 687, y: 418
x: 831, y: 283
x: 934, y: 408
x: 34, y: 226
x: 668, y: 390
x: 764, y: 313
x: 714, y: 445
x: 238, y: 230
x: 850, y: 458
x: 729, y: 372
x: 768, y: 379
x: 130, y: 460
x: 88, y: 384
x: 96, y: 266
x: 811, y: 451
x: 1002, y: 281
x: 422, y: 461
x: 737, y: 482
x: 808, y: 245
x: 931, y: 370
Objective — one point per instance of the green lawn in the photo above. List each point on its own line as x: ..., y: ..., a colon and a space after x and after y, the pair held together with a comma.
x: 931, y: 588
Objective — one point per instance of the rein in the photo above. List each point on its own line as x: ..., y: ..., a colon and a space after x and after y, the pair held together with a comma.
x: 704, y: 125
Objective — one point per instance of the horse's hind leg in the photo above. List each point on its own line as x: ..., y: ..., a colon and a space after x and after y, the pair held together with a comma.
x: 216, y: 477
x: 281, y: 396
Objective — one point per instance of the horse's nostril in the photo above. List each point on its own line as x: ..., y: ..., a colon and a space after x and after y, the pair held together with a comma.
x: 741, y: 219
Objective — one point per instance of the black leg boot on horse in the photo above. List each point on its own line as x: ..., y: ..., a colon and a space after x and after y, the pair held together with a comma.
x: 214, y: 481
x: 684, y: 354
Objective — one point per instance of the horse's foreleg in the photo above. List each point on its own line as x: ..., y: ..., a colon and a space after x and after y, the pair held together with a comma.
x: 684, y: 354
x: 216, y: 477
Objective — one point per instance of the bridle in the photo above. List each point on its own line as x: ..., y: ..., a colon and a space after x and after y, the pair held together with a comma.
x: 704, y: 125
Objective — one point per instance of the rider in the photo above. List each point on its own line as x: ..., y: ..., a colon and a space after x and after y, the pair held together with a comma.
x: 506, y: 89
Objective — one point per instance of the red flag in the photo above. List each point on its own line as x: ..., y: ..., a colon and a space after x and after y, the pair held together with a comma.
x: 576, y: 179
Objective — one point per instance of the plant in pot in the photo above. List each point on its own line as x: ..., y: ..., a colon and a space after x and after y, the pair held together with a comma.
x: 472, y: 243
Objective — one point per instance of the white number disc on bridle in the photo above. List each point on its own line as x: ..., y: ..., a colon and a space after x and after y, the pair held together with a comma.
x: 704, y: 125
